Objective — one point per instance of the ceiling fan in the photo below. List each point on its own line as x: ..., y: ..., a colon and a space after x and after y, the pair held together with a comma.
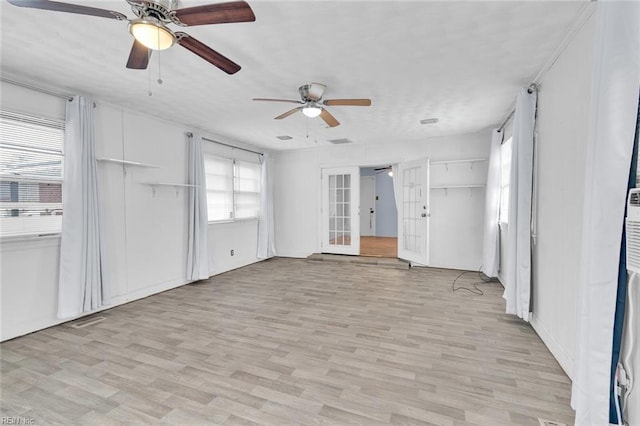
x: 313, y: 105
x: 150, y: 30
x: 382, y: 169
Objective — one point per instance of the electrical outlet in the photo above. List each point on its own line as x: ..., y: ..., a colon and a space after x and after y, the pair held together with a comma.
x: 544, y: 422
x: 232, y: 253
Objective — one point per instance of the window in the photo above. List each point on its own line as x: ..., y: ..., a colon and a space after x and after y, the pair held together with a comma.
x: 233, y: 188
x: 247, y: 189
x: 219, y: 177
x: 31, y: 155
x: 505, y: 178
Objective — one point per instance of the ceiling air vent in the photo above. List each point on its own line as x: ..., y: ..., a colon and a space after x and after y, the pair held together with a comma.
x: 634, y: 198
x: 284, y: 137
x: 339, y: 141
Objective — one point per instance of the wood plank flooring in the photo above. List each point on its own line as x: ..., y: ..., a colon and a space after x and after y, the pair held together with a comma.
x: 290, y: 341
x: 379, y: 246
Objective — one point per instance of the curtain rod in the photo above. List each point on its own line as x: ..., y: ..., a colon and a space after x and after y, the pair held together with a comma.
x: 226, y: 144
x: 37, y: 89
x: 583, y: 16
x: 504, y: 123
x: 533, y: 87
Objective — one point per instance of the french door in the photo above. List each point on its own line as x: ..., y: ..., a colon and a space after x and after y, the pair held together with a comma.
x: 340, y: 210
x: 413, y: 212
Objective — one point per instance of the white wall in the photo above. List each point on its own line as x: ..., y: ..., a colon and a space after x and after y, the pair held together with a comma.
x: 456, y: 217
x: 145, y: 232
x: 563, y: 109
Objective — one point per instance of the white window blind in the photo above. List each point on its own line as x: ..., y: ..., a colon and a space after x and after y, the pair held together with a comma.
x: 219, y: 176
x: 233, y: 188
x: 247, y: 189
x: 505, y: 180
x: 31, y: 155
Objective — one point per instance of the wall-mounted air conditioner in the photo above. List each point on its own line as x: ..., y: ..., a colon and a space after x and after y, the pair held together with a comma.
x: 633, y: 231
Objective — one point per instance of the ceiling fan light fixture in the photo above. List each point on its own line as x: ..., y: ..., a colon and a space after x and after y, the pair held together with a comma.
x: 152, y: 33
x: 311, y: 111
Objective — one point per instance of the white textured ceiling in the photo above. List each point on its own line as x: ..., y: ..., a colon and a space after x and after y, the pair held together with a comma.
x: 459, y: 61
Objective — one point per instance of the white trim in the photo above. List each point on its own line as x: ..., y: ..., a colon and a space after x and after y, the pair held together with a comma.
x: 46, y: 322
x: 557, y: 350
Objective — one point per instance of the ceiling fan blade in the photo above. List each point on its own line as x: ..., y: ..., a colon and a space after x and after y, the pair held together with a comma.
x: 288, y: 113
x: 139, y: 56
x: 278, y: 100
x: 207, y: 53
x: 347, y: 102
x: 328, y: 118
x: 69, y: 8
x: 221, y: 13
x: 315, y: 91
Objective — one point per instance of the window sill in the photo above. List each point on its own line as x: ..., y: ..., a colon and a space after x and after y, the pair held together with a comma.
x: 220, y: 222
x: 29, y: 237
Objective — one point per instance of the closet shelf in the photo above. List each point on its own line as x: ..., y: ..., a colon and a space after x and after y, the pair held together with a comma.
x: 446, y: 188
x: 126, y: 163
x: 456, y: 186
x: 176, y: 186
x: 467, y: 160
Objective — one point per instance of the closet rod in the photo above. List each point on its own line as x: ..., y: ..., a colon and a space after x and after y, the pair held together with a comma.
x: 36, y: 88
x: 226, y: 144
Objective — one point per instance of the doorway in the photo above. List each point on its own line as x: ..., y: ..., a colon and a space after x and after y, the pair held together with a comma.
x: 378, y: 213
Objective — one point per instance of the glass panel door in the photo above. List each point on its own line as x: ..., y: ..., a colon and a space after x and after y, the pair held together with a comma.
x: 413, y: 217
x: 340, y: 204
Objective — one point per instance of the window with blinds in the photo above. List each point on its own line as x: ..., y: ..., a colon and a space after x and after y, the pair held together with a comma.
x: 219, y: 176
x: 247, y: 189
x: 505, y: 180
x: 233, y: 188
x: 31, y: 155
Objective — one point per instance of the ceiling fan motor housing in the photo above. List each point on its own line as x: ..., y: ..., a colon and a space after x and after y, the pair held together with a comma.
x: 159, y: 9
x: 304, y: 92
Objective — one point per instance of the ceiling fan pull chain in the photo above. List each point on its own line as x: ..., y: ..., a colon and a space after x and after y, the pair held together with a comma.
x: 159, y: 67
x: 149, y: 82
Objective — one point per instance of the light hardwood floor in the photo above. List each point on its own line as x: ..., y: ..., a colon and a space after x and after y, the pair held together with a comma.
x: 379, y: 246
x: 290, y: 341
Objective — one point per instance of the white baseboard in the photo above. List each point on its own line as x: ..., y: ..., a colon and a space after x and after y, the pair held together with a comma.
x: 294, y: 254
x: 230, y: 266
x: 556, y: 349
x: 146, y: 291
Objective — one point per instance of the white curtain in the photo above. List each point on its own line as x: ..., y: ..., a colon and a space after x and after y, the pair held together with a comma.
x: 517, y: 291
x: 266, y: 238
x: 82, y: 285
x: 630, y: 351
x: 198, y: 238
x: 491, y: 248
x: 614, y: 103
x: 396, y: 184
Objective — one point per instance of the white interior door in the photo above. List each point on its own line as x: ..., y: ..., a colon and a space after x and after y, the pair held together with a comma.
x: 413, y: 212
x: 368, y: 205
x: 340, y: 210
